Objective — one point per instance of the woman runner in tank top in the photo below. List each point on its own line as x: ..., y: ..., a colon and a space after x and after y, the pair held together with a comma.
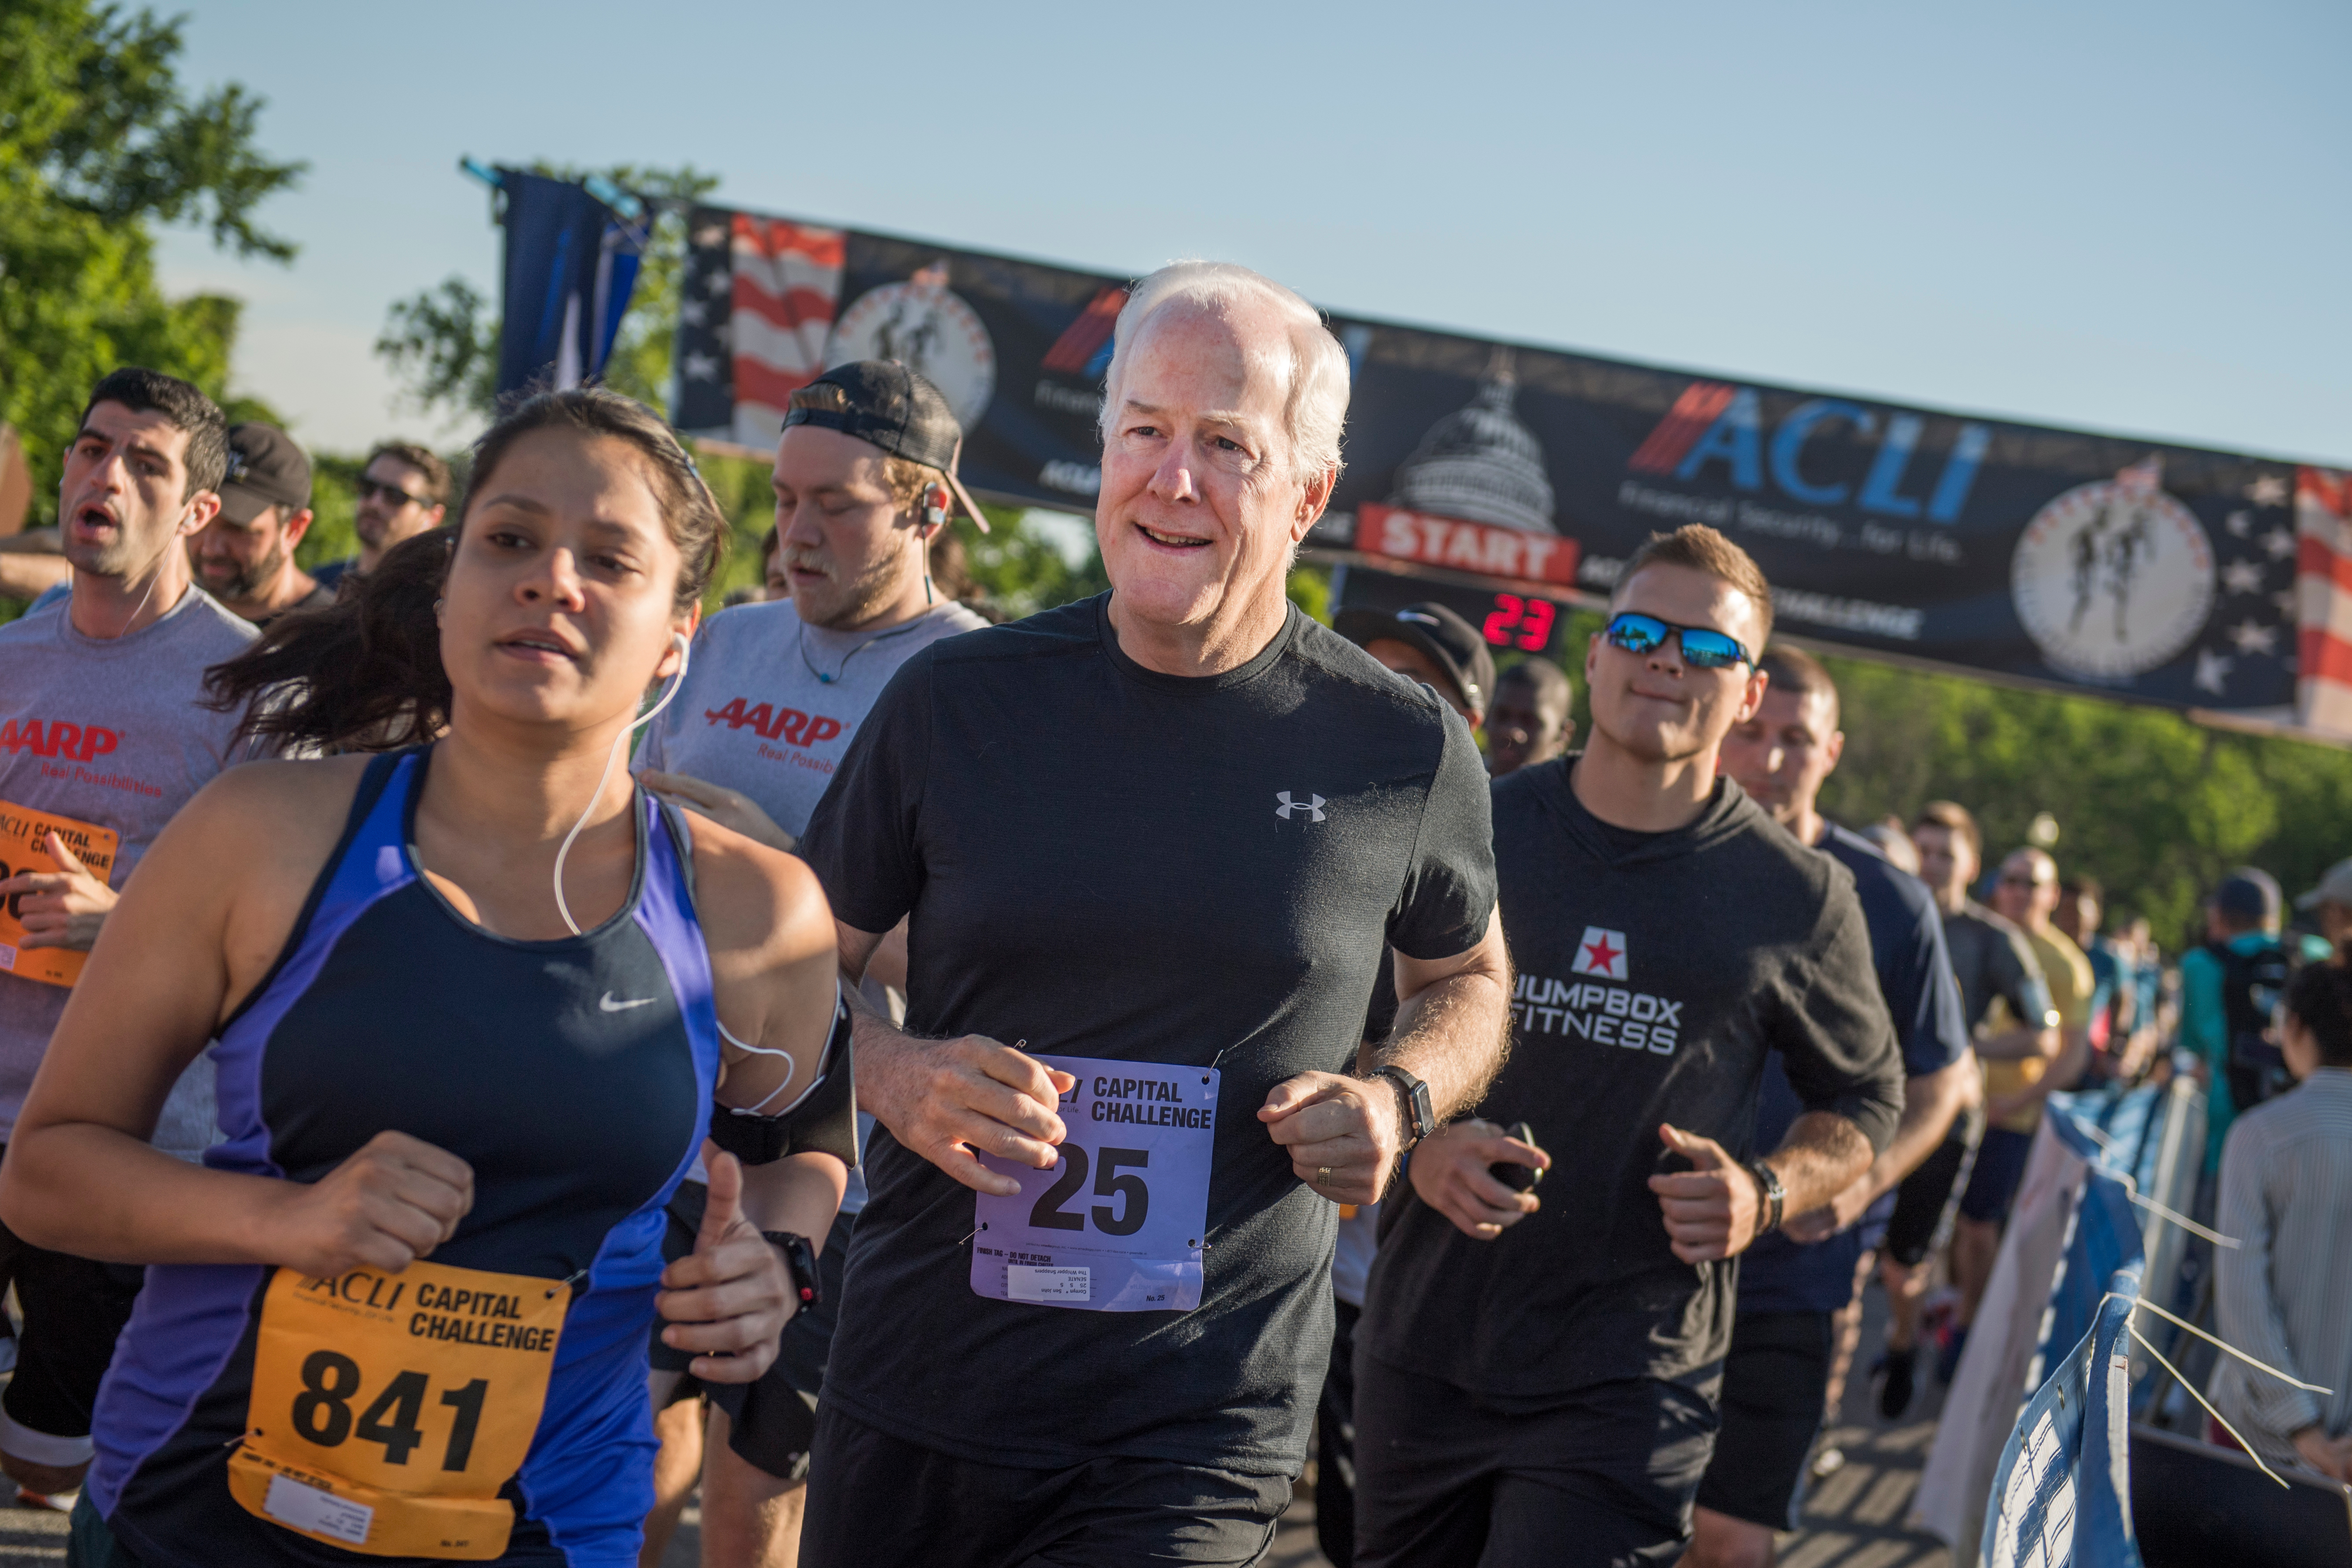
x: 402, y: 1312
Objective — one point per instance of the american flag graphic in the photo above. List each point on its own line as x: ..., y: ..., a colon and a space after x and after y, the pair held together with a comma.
x: 756, y: 306
x: 2322, y: 508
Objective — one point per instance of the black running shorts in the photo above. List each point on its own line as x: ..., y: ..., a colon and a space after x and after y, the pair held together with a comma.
x: 1774, y: 1382
x: 876, y: 1501
x: 1446, y: 1477
x: 74, y: 1311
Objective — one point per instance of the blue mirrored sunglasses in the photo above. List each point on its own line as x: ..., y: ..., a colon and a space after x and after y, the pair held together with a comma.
x: 1701, y: 646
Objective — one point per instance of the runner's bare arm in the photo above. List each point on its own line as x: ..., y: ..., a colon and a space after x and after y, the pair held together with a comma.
x: 730, y: 809
x: 1451, y: 1172
x: 198, y: 927
x: 1931, y: 1101
x: 888, y: 964
x: 731, y: 1297
x: 1452, y: 1032
x: 773, y: 965
x: 2023, y: 1043
x: 1712, y: 1209
x: 944, y: 1099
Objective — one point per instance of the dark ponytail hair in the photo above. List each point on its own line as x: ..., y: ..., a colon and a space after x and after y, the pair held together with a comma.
x: 364, y: 673
x: 2320, y: 998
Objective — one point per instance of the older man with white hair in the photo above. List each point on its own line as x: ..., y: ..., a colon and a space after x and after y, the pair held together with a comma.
x: 1152, y: 847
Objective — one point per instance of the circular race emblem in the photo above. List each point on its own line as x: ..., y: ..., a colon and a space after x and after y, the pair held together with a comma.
x: 923, y: 325
x: 2114, y: 578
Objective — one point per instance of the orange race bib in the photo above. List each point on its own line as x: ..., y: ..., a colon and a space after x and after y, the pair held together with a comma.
x: 23, y: 846
x: 388, y: 1409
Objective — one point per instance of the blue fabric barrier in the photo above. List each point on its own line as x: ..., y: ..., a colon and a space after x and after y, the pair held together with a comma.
x: 2061, y: 1493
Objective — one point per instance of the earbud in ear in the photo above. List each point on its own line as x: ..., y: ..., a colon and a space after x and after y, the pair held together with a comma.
x: 935, y: 507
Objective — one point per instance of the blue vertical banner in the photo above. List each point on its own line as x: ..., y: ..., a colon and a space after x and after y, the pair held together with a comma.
x: 571, y: 265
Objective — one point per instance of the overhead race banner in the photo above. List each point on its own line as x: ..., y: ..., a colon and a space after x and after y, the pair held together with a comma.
x: 2134, y: 568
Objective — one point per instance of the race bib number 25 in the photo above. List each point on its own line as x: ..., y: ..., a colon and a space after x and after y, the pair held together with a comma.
x: 388, y: 1409
x: 1116, y: 1225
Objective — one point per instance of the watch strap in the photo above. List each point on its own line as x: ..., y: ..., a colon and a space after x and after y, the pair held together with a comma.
x: 1773, y: 1196
x: 1419, y: 1123
x: 800, y: 1262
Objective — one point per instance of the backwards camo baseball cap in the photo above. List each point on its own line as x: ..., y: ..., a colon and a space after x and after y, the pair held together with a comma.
x: 884, y: 403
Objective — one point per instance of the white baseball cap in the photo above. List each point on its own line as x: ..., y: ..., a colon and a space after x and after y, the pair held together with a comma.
x: 2334, y: 888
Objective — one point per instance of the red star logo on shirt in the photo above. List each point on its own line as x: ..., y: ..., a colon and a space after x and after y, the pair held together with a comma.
x: 1601, y: 951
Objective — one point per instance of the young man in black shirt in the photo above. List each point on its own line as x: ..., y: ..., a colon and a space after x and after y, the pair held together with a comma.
x: 1152, y: 847
x: 1546, y: 1396
x: 1794, y: 1287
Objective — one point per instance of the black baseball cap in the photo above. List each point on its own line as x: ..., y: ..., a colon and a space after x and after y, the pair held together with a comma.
x: 884, y: 403
x: 1454, y: 643
x: 2248, y: 893
x: 266, y: 468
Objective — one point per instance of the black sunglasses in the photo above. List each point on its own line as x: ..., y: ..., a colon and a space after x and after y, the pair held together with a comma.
x: 1701, y: 646
x: 399, y: 498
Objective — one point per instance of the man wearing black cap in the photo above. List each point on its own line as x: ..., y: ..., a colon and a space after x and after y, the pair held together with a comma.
x: 1431, y: 643
x: 245, y: 557
x: 774, y: 694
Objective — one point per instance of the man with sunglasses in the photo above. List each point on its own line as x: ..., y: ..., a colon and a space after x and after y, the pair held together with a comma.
x: 403, y: 490
x: 1533, y: 1373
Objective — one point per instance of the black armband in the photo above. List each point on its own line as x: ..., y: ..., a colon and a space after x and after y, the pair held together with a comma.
x: 824, y: 1122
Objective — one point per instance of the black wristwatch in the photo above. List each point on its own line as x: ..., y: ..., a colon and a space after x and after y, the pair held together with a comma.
x: 1768, y: 1188
x: 1419, y: 1119
x: 800, y: 1262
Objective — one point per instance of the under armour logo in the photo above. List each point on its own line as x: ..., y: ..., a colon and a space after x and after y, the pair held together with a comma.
x: 1312, y: 806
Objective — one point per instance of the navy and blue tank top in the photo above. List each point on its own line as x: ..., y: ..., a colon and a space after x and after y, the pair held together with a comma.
x: 574, y: 1076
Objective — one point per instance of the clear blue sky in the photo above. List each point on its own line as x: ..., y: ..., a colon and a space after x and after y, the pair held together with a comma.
x: 2135, y: 217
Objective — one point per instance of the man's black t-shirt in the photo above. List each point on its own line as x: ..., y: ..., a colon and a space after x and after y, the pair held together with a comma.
x: 1106, y: 861
x: 1655, y: 972
x: 1991, y: 958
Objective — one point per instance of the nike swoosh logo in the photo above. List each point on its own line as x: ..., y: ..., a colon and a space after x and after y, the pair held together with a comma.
x: 610, y: 1005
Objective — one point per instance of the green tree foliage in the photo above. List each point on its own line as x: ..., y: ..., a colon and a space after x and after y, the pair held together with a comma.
x: 98, y: 143
x: 442, y: 344
x: 2157, y: 808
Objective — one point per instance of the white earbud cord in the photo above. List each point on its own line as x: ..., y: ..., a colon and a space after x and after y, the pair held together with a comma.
x: 620, y: 744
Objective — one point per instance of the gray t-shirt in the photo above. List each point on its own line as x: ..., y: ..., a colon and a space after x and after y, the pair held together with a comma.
x: 110, y: 731
x: 758, y: 716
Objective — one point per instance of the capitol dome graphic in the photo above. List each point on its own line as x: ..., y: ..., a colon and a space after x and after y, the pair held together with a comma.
x: 1480, y: 464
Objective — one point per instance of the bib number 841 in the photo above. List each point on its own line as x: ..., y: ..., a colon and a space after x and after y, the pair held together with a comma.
x: 330, y: 1383
x: 1110, y: 1181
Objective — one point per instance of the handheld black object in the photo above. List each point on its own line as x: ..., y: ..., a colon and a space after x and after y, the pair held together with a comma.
x: 1510, y: 1173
